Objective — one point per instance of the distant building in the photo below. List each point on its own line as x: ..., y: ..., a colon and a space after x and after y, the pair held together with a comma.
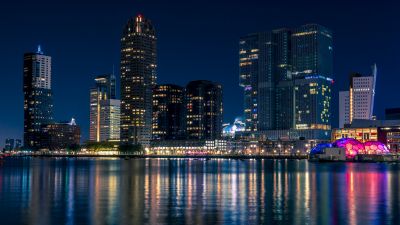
x: 10, y: 144
x: 60, y: 136
x: 358, y: 102
x: 168, y: 112
x: 392, y: 114
x: 204, y: 110
x: 38, y: 102
x: 229, y: 130
x: 274, y: 65
x: 18, y: 144
x: 138, y: 77
x: 104, y: 110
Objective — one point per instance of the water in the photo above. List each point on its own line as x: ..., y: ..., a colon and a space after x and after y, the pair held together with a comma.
x: 160, y: 191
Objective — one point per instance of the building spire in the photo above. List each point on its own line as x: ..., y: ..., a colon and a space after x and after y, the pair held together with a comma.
x: 39, y: 49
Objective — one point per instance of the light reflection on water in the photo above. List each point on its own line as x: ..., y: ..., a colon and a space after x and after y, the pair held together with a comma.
x: 161, y: 191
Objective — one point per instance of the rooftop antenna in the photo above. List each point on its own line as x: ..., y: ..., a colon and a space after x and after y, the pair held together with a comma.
x: 39, y: 49
x: 72, y: 123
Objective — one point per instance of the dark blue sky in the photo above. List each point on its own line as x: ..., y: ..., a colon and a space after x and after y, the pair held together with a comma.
x: 196, y: 40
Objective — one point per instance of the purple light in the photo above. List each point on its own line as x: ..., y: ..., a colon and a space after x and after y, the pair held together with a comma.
x: 375, y: 148
x: 351, y: 145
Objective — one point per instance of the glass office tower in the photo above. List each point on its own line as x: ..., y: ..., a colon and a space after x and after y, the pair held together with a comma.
x: 275, y: 67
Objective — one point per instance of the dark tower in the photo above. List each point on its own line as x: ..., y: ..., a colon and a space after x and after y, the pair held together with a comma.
x: 138, y: 77
x: 168, y: 112
x: 203, y: 110
x: 38, y: 103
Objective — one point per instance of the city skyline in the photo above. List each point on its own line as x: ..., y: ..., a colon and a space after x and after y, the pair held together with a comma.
x: 231, y: 108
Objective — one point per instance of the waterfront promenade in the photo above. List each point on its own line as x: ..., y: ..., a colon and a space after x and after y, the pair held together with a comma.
x: 130, y: 155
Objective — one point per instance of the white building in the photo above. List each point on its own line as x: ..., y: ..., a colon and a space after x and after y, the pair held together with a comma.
x: 110, y: 111
x: 105, y: 110
x: 358, y: 102
x: 41, y: 73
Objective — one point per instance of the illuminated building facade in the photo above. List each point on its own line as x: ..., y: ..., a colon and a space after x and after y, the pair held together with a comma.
x: 358, y: 102
x: 188, y: 147
x: 312, y: 69
x: 104, y: 110
x: 168, y: 112
x: 60, y: 136
x: 275, y: 67
x: 38, y: 101
x: 248, y: 77
x: 360, y: 134
x: 138, y: 77
x: 384, y: 131
x: 352, y: 148
x: 203, y: 101
x: 229, y: 130
x: 313, y: 98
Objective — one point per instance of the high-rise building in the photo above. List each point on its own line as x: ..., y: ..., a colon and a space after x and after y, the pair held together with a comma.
x: 204, y: 110
x: 168, y: 112
x: 38, y: 104
x: 104, y: 110
x: 60, y: 136
x: 138, y: 77
x: 275, y: 67
x: 249, y: 70
x: 358, y: 101
x: 264, y: 63
x: 312, y: 69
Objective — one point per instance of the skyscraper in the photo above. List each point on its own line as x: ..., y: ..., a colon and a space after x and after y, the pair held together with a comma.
x: 104, y: 110
x: 265, y: 75
x: 249, y: 70
x: 168, y: 112
x: 38, y: 103
x: 204, y: 110
x: 359, y: 99
x: 138, y: 77
x: 312, y: 69
x: 275, y: 67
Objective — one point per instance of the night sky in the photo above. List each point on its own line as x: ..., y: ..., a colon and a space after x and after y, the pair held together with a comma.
x: 196, y: 40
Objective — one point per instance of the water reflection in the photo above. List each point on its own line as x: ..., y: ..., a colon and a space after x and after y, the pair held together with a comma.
x: 160, y: 191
